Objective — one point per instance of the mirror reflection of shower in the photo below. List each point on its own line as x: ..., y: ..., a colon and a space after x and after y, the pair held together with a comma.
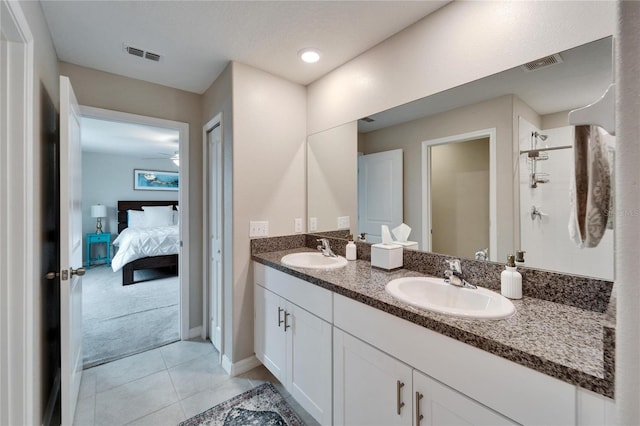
x: 534, y: 155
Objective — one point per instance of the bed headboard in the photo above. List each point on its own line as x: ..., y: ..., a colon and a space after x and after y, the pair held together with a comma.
x: 123, y: 206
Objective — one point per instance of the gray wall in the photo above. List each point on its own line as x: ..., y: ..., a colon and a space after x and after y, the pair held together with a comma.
x: 108, y: 178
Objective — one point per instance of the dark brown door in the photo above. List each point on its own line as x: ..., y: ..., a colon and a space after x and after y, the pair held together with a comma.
x: 50, y: 245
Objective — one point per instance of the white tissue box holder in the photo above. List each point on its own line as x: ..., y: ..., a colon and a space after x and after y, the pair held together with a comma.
x: 386, y: 256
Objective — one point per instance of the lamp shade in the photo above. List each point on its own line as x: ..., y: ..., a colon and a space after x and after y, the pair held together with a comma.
x: 99, y: 211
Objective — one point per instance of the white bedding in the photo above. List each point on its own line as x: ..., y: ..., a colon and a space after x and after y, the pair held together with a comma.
x: 136, y: 243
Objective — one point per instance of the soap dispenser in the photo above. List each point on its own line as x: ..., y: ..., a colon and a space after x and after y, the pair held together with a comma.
x: 351, y: 249
x: 511, y: 280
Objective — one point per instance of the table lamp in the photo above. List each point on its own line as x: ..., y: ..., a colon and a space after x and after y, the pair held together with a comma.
x: 99, y: 211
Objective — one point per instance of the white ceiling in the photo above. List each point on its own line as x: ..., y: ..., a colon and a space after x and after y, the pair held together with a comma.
x: 113, y: 137
x: 197, y: 39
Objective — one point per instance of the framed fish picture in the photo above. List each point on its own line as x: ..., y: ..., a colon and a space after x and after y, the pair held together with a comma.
x: 155, y: 180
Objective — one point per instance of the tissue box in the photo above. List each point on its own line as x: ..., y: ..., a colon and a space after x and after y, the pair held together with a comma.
x: 386, y: 256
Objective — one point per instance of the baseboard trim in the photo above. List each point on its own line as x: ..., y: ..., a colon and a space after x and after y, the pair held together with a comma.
x: 195, y: 332
x: 242, y: 366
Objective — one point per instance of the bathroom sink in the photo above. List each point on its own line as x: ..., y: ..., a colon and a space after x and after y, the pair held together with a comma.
x: 313, y: 261
x: 434, y: 294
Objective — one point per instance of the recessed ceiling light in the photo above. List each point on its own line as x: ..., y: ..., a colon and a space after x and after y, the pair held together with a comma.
x: 309, y: 55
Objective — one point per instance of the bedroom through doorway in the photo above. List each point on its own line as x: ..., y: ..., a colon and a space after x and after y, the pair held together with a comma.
x: 135, y: 226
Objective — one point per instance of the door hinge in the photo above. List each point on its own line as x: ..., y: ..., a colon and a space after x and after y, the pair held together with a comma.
x: 64, y: 275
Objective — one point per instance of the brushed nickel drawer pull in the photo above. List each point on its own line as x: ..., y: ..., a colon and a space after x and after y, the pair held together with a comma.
x: 399, y: 402
x: 419, y: 416
x: 280, y: 311
x: 286, y: 321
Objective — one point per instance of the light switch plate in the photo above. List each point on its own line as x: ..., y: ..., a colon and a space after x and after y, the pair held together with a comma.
x: 258, y: 229
x: 297, y: 225
x: 313, y: 224
x: 343, y: 222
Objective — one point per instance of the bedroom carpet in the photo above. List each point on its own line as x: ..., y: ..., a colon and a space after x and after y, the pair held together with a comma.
x: 119, y: 320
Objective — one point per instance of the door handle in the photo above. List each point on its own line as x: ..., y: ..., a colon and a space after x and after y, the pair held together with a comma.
x: 399, y: 403
x: 419, y: 415
x: 51, y: 275
x: 79, y: 272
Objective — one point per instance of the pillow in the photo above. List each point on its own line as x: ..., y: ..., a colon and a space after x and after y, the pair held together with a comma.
x: 176, y: 217
x: 135, y: 219
x: 158, y: 216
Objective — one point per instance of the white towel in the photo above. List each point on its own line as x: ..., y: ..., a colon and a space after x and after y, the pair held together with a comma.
x: 590, y: 187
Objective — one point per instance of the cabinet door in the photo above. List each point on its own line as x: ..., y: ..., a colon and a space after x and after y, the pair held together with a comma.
x: 370, y: 387
x: 269, y: 336
x: 441, y: 405
x: 309, y: 362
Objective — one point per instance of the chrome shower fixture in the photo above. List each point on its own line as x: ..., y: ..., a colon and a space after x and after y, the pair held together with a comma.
x: 540, y: 136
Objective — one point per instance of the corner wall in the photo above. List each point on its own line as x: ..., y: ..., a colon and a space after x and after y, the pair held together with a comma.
x: 269, y: 138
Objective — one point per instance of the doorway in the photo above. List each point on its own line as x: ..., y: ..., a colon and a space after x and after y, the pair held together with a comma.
x: 156, y: 305
x: 459, y: 187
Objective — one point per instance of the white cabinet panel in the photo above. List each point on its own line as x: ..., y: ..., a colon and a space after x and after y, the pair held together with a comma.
x: 440, y: 405
x: 370, y: 387
x: 595, y: 409
x: 309, y: 366
x: 295, y: 346
x: 269, y: 337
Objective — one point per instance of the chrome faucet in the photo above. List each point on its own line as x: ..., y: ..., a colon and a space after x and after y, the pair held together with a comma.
x: 482, y: 254
x: 325, y: 248
x: 454, y: 276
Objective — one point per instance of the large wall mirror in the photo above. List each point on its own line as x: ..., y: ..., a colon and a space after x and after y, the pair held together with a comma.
x: 449, y: 166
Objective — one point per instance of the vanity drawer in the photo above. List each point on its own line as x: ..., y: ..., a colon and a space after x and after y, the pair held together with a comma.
x: 310, y: 297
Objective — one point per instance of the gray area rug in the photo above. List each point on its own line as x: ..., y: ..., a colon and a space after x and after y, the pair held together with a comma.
x: 119, y: 320
x: 262, y: 405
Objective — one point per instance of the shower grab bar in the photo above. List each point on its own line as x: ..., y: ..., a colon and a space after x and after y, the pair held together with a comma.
x: 535, y: 152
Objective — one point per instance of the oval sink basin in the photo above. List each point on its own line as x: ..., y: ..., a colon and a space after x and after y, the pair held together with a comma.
x: 434, y: 294
x: 313, y: 261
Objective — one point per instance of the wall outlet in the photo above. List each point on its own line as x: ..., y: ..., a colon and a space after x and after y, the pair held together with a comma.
x: 343, y: 222
x: 297, y: 225
x: 258, y: 229
x: 313, y: 224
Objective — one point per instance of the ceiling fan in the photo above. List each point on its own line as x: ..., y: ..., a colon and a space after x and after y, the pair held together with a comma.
x: 175, y: 157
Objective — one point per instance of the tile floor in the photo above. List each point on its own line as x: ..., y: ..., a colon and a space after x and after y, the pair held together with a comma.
x: 164, y: 386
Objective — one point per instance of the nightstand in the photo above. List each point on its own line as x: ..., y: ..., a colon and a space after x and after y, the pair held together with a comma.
x: 105, y: 238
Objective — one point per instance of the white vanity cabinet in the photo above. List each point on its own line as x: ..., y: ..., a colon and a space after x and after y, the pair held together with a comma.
x: 370, y: 387
x: 436, y: 404
x: 373, y: 388
x: 292, y: 332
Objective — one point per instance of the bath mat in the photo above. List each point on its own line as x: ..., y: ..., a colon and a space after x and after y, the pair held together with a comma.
x: 262, y: 405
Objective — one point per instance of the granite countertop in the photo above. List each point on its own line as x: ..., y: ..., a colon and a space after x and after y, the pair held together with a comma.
x: 559, y: 340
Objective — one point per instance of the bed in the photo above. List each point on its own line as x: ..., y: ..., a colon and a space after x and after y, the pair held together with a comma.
x: 144, y: 241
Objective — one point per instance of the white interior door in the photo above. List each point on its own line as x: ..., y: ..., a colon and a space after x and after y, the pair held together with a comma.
x: 214, y: 139
x: 70, y: 250
x: 380, y: 195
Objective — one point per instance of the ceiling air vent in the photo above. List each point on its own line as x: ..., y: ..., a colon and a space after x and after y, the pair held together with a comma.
x: 152, y: 56
x: 547, y: 61
x: 368, y: 119
x: 135, y: 52
x: 141, y: 53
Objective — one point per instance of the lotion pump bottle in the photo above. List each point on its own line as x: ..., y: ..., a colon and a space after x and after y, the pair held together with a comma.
x: 351, y: 249
x: 511, y: 280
